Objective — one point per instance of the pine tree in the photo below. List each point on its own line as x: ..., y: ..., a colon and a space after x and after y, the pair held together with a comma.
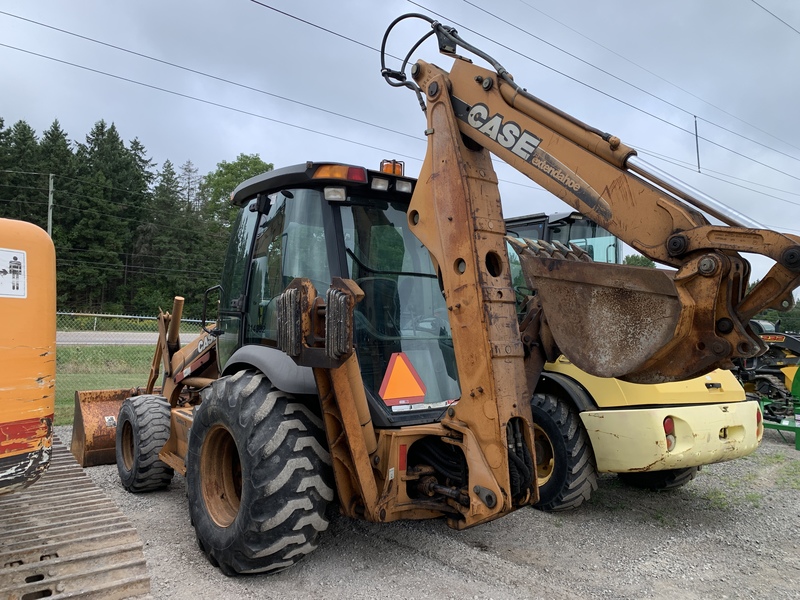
x: 112, y: 188
x: 23, y: 189
x: 190, y: 184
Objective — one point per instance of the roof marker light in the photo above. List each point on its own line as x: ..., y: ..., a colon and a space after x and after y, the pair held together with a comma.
x: 346, y: 172
x: 395, y: 167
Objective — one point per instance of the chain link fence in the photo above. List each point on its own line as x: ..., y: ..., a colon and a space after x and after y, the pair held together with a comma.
x: 96, y: 352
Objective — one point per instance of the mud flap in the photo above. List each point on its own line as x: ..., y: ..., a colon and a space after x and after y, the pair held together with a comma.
x: 94, y: 429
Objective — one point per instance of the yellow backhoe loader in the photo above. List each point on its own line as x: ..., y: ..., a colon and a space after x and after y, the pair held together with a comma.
x: 367, y: 346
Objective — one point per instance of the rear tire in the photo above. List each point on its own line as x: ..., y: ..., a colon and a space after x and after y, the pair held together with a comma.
x: 258, y: 475
x: 565, y: 467
x: 658, y: 481
x: 143, y: 427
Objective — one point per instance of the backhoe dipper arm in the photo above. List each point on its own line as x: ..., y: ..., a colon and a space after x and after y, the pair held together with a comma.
x: 643, y: 325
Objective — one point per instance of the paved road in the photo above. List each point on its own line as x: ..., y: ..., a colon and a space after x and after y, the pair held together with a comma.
x: 117, y: 338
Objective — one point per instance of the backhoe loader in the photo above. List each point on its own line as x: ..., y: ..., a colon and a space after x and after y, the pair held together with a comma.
x: 367, y: 346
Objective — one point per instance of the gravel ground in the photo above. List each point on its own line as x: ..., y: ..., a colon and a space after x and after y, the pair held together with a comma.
x: 733, y: 532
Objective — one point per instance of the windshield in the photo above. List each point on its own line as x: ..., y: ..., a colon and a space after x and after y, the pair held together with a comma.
x: 599, y: 243
x: 402, y: 331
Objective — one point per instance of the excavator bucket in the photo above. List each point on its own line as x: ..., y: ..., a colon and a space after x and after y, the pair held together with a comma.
x: 94, y: 430
x: 584, y: 304
x: 632, y: 323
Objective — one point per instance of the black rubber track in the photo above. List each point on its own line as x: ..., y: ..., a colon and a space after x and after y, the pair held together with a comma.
x: 143, y: 427
x: 657, y: 481
x: 285, y: 482
x: 574, y: 472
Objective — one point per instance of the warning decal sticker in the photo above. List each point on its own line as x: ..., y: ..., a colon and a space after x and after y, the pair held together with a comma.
x: 13, y: 274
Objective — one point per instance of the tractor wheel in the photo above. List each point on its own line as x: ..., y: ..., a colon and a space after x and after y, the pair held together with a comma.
x: 259, y: 476
x: 565, y: 466
x: 657, y: 481
x: 143, y: 427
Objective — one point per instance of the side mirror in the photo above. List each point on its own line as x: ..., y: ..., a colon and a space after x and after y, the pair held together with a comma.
x: 216, y: 331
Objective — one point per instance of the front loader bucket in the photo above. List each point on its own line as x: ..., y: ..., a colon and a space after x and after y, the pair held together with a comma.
x: 94, y: 429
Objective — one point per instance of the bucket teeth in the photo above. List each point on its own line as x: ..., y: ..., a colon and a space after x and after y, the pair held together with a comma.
x: 543, y: 249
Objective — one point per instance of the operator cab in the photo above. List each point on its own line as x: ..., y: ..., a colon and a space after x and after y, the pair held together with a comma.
x: 568, y: 228
x: 325, y: 220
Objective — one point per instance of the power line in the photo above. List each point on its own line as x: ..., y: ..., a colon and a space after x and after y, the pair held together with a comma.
x: 215, y: 77
x: 131, y: 268
x: 84, y: 181
x: 23, y: 187
x: 292, y: 125
x: 372, y: 124
x: 774, y: 15
x: 620, y: 79
x: 309, y: 23
x: 132, y: 255
x: 623, y: 102
x: 208, y: 75
x: 656, y: 75
x: 209, y: 102
x: 21, y: 172
x: 100, y: 213
x: 693, y: 167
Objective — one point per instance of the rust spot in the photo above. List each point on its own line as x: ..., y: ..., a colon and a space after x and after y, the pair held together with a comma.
x: 23, y: 435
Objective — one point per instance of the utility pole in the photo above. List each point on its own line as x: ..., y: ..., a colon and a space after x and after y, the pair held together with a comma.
x: 50, y: 209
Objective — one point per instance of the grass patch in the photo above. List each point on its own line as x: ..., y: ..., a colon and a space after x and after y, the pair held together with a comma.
x: 789, y: 476
x: 97, y: 368
x: 746, y: 480
x: 772, y: 459
x: 103, y: 359
x: 67, y: 384
x: 718, y: 499
x: 754, y: 499
x: 663, y: 519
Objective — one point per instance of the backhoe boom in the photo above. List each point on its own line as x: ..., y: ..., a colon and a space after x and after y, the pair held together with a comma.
x: 657, y: 326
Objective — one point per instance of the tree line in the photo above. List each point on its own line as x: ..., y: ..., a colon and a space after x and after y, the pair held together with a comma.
x: 128, y: 236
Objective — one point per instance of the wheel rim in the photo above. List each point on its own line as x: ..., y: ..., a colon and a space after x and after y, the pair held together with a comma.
x: 221, y: 476
x: 545, y: 456
x: 127, y: 445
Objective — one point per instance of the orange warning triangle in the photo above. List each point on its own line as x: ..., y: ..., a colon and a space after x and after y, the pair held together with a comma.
x: 401, y: 383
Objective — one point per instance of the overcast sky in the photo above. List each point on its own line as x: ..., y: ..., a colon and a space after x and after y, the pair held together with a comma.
x: 640, y: 70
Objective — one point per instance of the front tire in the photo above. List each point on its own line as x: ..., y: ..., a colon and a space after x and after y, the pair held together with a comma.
x: 143, y: 427
x: 565, y: 467
x: 658, y: 481
x: 258, y: 475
